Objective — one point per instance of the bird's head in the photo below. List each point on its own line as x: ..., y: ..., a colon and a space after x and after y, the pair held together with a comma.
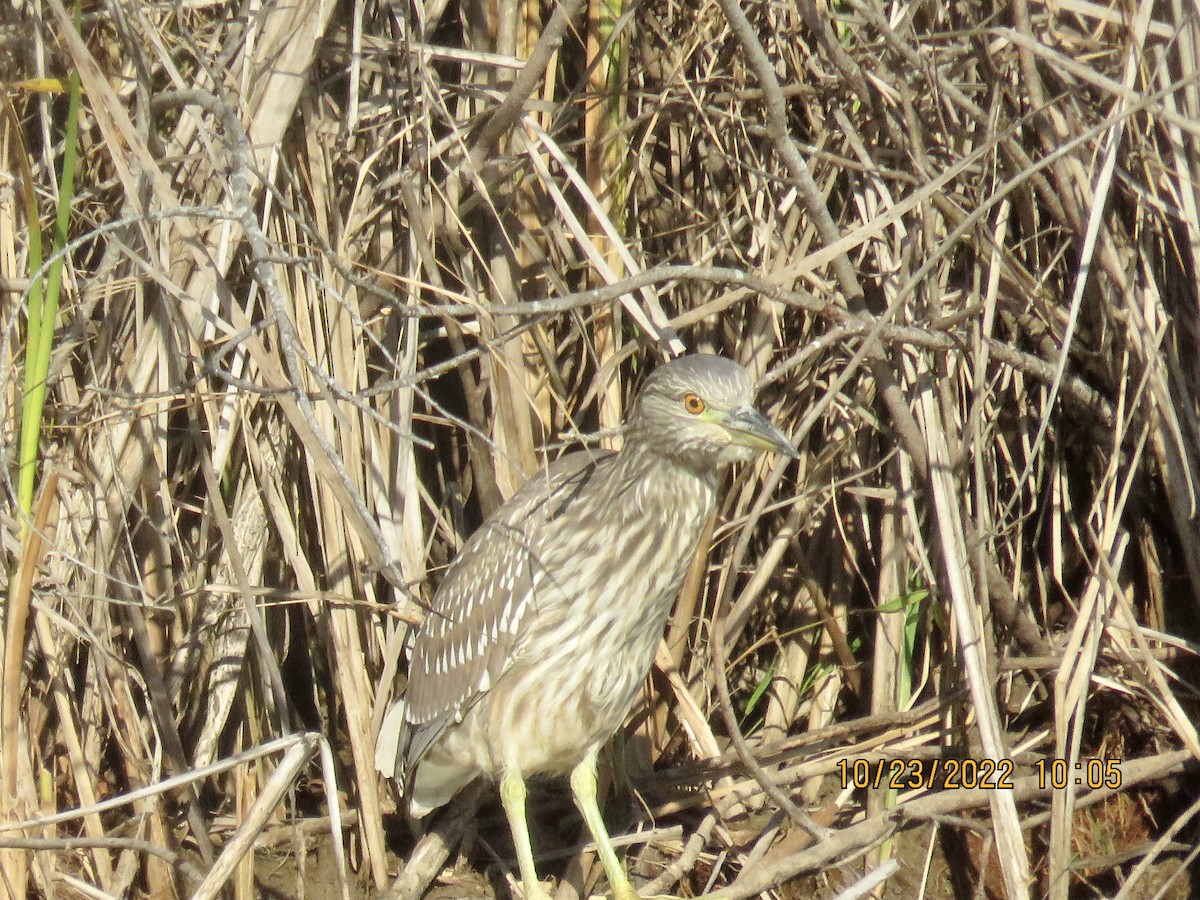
x: 698, y: 410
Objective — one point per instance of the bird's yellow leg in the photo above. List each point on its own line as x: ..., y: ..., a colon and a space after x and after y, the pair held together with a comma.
x: 583, y: 786
x: 512, y: 796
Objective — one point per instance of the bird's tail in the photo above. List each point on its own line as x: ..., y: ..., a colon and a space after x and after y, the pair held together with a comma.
x: 437, y: 778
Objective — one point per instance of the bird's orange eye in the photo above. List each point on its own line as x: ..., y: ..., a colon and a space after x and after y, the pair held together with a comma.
x: 693, y: 404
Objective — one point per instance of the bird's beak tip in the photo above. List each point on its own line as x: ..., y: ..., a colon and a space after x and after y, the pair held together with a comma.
x: 784, y: 446
x: 752, y: 429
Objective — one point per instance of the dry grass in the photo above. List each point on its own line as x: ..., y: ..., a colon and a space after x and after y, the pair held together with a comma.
x: 340, y: 277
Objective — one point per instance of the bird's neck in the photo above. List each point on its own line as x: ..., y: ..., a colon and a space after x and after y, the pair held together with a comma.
x: 642, y: 483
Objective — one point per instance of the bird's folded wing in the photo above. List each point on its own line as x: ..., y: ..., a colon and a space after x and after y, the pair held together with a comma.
x: 473, y: 632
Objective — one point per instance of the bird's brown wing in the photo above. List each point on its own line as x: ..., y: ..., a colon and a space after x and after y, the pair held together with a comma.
x: 465, y: 644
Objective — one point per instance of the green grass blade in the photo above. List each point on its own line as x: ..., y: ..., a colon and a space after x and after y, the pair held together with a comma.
x: 43, y: 308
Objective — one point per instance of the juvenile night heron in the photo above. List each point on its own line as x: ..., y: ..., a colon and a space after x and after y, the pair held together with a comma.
x: 546, y: 623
